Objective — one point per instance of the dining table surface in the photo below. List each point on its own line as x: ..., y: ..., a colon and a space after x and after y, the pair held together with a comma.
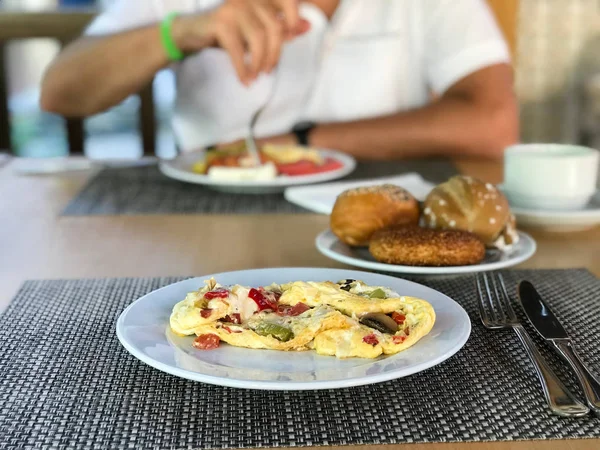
x: 37, y: 242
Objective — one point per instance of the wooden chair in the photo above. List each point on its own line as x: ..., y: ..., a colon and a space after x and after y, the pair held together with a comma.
x: 64, y: 27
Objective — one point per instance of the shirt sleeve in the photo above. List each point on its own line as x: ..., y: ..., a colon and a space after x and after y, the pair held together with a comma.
x: 124, y: 15
x: 460, y: 37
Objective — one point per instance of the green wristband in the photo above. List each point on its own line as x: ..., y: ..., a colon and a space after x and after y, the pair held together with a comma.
x: 166, y: 36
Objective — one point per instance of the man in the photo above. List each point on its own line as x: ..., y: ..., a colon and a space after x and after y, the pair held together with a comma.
x: 374, y: 78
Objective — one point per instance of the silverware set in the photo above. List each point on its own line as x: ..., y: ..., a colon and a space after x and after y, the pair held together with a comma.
x: 496, y: 311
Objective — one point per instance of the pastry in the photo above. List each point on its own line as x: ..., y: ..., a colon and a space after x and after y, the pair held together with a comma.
x: 359, y: 212
x: 465, y: 203
x: 344, y: 319
x: 417, y: 246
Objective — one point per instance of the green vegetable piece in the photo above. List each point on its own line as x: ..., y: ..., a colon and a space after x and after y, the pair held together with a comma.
x: 377, y: 293
x: 272, y: 329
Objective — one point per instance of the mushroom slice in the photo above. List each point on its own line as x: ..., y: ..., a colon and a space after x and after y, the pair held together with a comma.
x: 381, y: 322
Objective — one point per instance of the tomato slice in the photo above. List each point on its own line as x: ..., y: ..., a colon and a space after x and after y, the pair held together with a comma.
x: 233, y: 318
x: 296, y: 310
x: 371, y: 339
x: 398, y: 318
x: 207, y: 342
x: 308, y: 167
x: 398, y: 339
x: 262, y: 301
x: 217, y: 293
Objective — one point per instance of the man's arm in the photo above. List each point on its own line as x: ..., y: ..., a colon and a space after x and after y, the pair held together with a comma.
x: 477, y: 116
x: 95, y: 73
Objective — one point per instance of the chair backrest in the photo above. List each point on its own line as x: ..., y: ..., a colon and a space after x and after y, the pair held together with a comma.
x: 507, y: 15
x: 63, y: 27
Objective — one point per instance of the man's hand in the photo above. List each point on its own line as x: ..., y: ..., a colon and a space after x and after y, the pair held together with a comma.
x: 258, y: 28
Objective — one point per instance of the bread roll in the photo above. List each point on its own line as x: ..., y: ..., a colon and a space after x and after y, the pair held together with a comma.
x: 465, y: 203
x: 360, y: 212
x: 417, y: 246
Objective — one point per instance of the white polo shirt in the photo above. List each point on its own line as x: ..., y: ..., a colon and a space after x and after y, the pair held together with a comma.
x: 374, y: 58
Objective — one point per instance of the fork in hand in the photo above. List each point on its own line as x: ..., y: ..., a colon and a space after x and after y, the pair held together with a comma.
x: 250, y: 139
x: 497, y: 313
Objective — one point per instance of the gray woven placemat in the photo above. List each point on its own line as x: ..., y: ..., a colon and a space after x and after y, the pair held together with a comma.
x: 144, y: 190
x: 65, y: 382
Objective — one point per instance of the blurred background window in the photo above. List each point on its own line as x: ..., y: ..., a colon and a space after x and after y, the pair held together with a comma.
x: 112, y: 134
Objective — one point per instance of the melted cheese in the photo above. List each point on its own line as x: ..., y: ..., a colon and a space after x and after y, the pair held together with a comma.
x: 240, y: 303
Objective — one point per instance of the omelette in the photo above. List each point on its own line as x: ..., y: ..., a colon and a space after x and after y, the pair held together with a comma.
x: 344, y: 319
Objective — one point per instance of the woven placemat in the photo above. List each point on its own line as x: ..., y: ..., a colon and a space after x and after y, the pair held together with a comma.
x: 144, y: 190
x: 66, y: 382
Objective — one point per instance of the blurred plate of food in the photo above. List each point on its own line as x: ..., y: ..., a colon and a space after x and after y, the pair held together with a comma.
x: 230, y: 168
x: 321, y: 198
x: 463, y: 226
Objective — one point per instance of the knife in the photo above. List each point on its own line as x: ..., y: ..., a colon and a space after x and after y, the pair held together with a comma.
x: 548, y: 326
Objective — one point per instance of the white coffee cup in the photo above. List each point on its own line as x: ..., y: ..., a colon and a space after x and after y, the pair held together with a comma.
x: 550, y: 176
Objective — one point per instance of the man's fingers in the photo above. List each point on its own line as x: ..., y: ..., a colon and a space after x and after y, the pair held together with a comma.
x: 291, y: 15
x: 233, y: 43
x: 302, y: 27
x: 253, y: 32
x: 274, y: 35
x: 255, y: 36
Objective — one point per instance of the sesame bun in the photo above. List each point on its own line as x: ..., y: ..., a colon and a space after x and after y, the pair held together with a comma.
x: 417, y: 246
x: 360, y: 212
x: 465, y: 203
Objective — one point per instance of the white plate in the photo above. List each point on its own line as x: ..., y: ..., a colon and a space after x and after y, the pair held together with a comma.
x: 321, y: 198
x: 180, y: 168
x: 329, y: 245
x: 143, y: 329
x: 560, y: 221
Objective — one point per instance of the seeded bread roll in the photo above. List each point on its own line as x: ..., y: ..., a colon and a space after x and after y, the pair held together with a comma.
x: 360, y: 212
x: 465, y: 203
x: 417, y: 246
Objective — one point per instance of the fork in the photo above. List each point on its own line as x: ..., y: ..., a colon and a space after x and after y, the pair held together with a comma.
x: 497, y: 313
x: 250, y: 139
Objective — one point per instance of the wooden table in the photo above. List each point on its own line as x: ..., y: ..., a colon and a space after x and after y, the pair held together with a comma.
x: 35, y: 242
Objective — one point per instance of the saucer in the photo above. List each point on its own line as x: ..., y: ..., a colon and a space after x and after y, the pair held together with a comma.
x: 560, y: 220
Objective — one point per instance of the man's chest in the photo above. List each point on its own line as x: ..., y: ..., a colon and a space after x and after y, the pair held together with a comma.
x: 363, y: 62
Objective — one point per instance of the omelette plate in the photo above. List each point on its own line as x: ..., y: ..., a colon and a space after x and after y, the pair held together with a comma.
x: 143, y: 329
